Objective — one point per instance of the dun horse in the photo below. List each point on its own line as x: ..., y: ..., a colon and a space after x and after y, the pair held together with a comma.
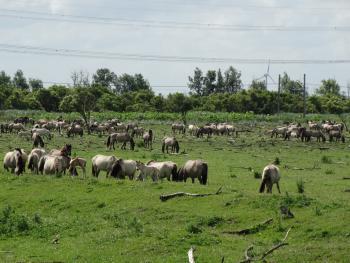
x: 120, y: 137
x: 172, y: 142
x: 16, y: 161
x: 271, y: 175
x: 147, y: 139
x: 194, y: 169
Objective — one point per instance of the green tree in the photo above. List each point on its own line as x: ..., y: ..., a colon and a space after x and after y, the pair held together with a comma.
x: 196, y: 83
x: 291, y: 86
x: 36, y: 84
x: 105, y: 78
x: 179, y: 103
x: 220, y: 83
x: 209, y: 83
x: 4, y: 79
x: 232, y: 80
x: 48, y: 100
x: 19, y: 81
x: 329, y: 87
x: 258, y: 85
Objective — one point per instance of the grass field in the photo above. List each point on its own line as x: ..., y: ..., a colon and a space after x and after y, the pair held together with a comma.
x: 105, y: 220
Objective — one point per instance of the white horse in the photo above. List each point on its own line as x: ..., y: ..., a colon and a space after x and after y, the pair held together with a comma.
x: 16, y: 161
x: 54, y: 164
x: 270, y: 175
x: 194, y: 169
x: 122, y: 168
x: 102, y: 163
x: 147, y: 171
x: 193, y: 129
x: 166, y: 169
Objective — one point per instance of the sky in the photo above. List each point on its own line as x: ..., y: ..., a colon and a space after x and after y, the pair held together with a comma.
x: 143, y: 28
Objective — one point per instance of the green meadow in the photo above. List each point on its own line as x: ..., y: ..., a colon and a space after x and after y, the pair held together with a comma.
x: 75, y: 219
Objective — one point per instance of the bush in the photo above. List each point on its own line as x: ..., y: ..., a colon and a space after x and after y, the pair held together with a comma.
x: 326, y: 159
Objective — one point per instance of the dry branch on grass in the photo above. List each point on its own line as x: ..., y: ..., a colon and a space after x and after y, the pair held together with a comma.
x: 347, y: 190
x: 262, y: 257
x: 170, y: 196
x: 252, y: 229
x: 346, y: 178
x: 191, y: 255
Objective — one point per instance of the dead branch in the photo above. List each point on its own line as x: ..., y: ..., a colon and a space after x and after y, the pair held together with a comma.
x: 170, y: 196
x: 346, y: 178
x: 190, y: 255
x: 266, y: 253
x: 252, y: 229
x: 323, y: 148
x: 347, y: 190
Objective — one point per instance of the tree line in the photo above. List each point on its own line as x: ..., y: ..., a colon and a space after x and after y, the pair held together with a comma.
x: 215, y: 90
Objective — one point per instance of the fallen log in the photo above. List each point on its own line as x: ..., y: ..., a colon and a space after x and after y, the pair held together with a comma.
x: 249, y: 259
x: 170, y: 196
x: 251, y: 230
x: 191, y: 255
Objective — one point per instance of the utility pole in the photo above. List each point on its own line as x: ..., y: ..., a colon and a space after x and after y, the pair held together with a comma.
x: 278, y: 94
x: 304, y: 113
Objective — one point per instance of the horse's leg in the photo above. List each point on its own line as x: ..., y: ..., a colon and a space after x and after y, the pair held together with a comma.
x: 192, y: 180
x: 278, y: 187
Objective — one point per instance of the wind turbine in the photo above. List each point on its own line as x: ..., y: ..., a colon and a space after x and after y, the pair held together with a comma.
x: 267, y: 76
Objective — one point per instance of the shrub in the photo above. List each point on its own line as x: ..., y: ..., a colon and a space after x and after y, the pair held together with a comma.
x: 326, y: 159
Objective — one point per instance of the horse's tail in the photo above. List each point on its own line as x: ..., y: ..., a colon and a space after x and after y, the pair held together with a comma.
x: 20, y: 165
x: 41, y: 165
x: 109, y: 141
x: 31, y: 163
x: 163, y: 147
x: 174, y: 173
x: 93, y: 170
x: 204, y: 173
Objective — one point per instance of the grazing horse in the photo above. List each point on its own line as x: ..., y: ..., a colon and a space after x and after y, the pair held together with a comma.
x: 33, y: 162
x: 306, y: 135
x: 65, y: 151
x: 138, y: 131
x: 205, y: 130
x: 194, y: 169
x: 166, y: 169
x: 75, y: 130
x: 147, y: 171
x: 77, y: 162
x: 16, y: 127
x: 37, y: 140
x: 122, y: 168
x: 148, y: 139
x: 16, y: 161
x: 270, y: 175
x: 337, y: 135
x: 102, y: 163
x: 279, y: 131
x: 170, y: 141
x: 193, y: 129
x: 53, y: 164
x: 181, y: 128
x: 120, y: 137
x: 34, y: 159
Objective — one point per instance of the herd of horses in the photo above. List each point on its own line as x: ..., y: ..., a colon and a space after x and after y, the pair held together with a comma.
x: 57, y: 161
x: 319, y: 131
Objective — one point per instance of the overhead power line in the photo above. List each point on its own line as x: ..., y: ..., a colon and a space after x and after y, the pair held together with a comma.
x: 32, y: 15
x: 143, y: 57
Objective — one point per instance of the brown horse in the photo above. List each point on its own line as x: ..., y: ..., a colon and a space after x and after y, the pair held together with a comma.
x: 65, y: 151
x: 148, y: 139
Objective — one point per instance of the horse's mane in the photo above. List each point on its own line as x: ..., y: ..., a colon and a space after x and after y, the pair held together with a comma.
x: 19, y: 150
